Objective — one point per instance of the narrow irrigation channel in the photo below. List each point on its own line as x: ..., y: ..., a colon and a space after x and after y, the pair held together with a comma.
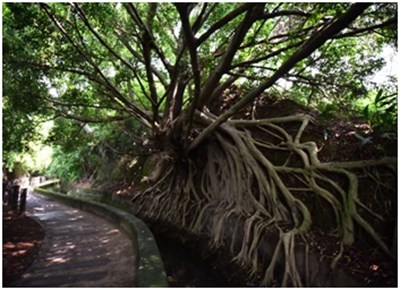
x: 189, y: 261
x: 184, y: 269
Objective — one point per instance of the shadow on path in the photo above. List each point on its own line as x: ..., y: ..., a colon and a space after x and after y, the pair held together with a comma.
x: 79, y: 249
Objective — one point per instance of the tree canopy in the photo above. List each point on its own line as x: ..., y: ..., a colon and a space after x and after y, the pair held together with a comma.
x: 151, y: 74
x: 110, y: 61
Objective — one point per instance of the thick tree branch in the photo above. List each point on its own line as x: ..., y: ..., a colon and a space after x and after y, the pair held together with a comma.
x: 290, y: 35
x: 316, y: 40
x: 268, y: 16
x: 223, y: 21
x: 203, y: 16
x: 226, y: 61
x: 148, y: 44
x: 191, y: 45
x: 359, y: 31
x: 268, y: 56
x: 284, y: 13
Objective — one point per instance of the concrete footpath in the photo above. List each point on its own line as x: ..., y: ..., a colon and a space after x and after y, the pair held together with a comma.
x: 80, y: 249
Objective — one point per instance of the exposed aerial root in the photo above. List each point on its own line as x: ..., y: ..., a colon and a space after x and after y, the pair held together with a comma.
x: 239, y: 183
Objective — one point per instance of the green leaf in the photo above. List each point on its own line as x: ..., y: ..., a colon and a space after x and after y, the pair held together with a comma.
x: 378, y: 96
x: 366, y: 112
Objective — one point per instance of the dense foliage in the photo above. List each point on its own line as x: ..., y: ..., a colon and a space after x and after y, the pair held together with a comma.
x: 99, y: 66
x: 124, y: 81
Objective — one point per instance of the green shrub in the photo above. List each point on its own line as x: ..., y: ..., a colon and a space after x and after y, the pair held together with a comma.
x: 381, y: 114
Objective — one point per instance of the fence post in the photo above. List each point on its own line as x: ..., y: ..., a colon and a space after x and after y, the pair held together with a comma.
x: 14, y: 197
x: 4, y: 190
x: 22, y: 202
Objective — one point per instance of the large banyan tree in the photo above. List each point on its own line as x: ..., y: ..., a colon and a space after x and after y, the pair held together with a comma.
x: 166, y: 65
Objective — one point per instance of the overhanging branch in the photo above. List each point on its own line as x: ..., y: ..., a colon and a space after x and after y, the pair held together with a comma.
x: 315, y: 41
x: 117, y: 95
x: 224, y: 65
x: 223, y: 21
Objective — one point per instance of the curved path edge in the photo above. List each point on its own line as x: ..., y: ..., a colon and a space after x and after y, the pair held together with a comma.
x: 151, y: 271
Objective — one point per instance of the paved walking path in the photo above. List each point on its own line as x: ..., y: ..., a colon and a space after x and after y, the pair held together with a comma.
x: 79, y: 250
